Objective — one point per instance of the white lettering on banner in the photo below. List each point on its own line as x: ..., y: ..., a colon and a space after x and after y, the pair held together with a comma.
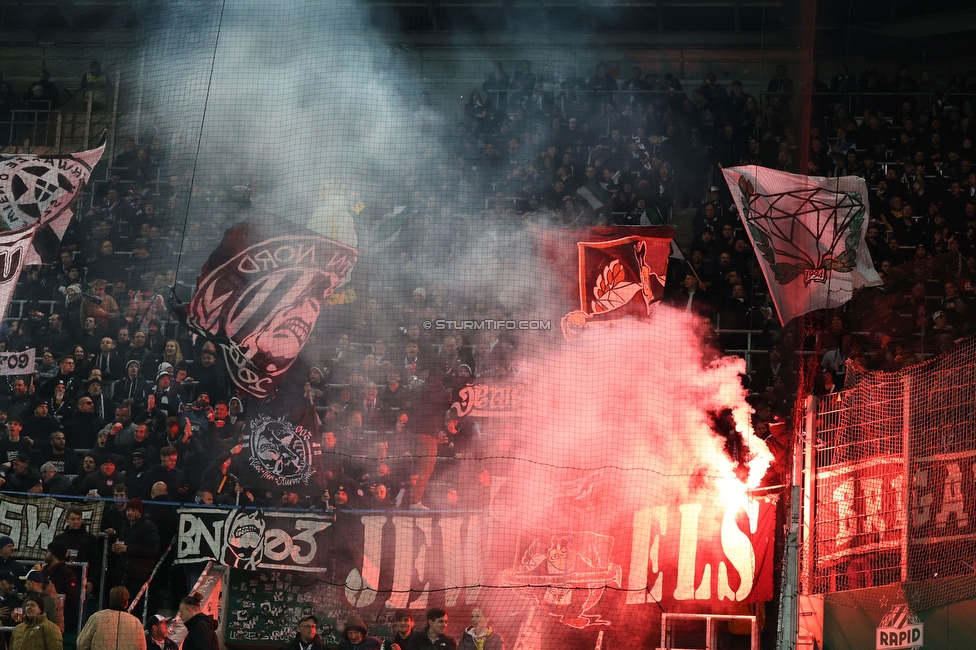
x: 688, y: 553
x: 246, y: 536
x: 952, y: 500
x: 738, y: 548
x: 41, y: 533
x: 844, y: 498
x: 33, y: 523
x: 10, y: 515
x: 923, y: 500
x: 648, y: 522
x: 193, y: 531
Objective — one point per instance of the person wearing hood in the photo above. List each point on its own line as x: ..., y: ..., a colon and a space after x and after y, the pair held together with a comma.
x: 36, y: 632
x: 306, y: 637
x: 480, y: 636
x: 201, y: 629
x: 355, y: 636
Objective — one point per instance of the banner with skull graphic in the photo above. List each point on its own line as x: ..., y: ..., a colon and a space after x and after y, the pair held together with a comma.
x: 281, y: 448
x: 36, y: 192
x: 260, y: 294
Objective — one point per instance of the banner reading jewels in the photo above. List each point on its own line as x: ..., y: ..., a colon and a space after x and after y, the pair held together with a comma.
x: 33, y: 523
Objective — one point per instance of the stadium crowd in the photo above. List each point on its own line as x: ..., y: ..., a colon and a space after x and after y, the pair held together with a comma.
x: 125, y: 406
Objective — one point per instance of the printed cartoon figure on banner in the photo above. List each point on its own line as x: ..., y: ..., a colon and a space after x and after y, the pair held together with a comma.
x: 260, y: 294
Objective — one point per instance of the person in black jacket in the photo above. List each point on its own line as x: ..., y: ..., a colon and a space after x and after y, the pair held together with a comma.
x: 201, y: 629
x: 65, y: 581
x: 405, y: 636
x: 135, y: 548
x: 432, y: 637
x: 306, y: 637
x: 81, y: 544
x: 157, y: 636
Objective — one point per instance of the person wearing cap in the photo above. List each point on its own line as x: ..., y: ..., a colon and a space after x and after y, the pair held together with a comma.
x: 104, y: 311
x: 36, y: 631
x: 53, y: 481
x: 9, y: 598
x: 157, y: 636
x: 64, y: 579
x: 355, y: 636
x: 103, y: 406
x: 132, y: 390
x: 113, y: 628
x: 136, y: 548
x: 21, y: 476
x: 8, y: 563
x: 40, y: 424
x: 81, y: 429
x: 306, y: 636
x: 36, y: 584
x: 164, y: 396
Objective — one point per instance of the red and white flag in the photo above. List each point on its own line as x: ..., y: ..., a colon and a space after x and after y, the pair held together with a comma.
x: 36, y: 192
x: 808, y: 233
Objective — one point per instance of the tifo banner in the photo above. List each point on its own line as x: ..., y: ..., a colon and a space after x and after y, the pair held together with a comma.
x: 34, y: 522
x: 260, y: 294
x: 894, y: 498
x: 861, y: 508
x: 682, y: 555
x: 17, y: 363
x: 35, y: 192
x: 489, y: 400
x: 253, y: 539
x: 809, y: 233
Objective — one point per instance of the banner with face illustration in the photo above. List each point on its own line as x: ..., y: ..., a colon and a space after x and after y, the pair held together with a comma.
x: 253, y: 539
x: 260, y: 294
x: 36, y: 192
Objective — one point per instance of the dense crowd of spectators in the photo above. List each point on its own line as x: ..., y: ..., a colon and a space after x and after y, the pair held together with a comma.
x: 124, y: 405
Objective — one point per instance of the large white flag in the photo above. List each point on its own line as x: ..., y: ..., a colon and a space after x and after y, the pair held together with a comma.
x: 35, y: 191
x: 808, y: 233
